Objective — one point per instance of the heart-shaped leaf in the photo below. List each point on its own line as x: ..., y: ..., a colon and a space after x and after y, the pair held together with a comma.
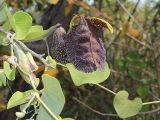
x: 124, y: 107
x: 95, y: 77
x: 53, y: 97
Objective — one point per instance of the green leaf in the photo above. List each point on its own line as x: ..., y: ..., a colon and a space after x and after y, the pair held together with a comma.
x: 80, y: 77
x: 3, y: 39
x: 2, y: 78
x: 19, y: 98
x: 10, y: 73
x: 133, y: 56
x: 134, y: 74
x: 23, y: 23
x: 6, y: 26
x: 124, y: 107
x: 3, y: 15
x: 37, y: 33
x: 1, y: 1
x: 51, y: 61
x: 53, y: 1
x: 52, y: 96
x: 68, y: 119
x: 145, y: 108
x: 122, y: 64
x: 142, y: 91
x: 10, y: 17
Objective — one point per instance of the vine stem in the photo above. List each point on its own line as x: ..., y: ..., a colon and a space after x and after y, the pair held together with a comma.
x: 46, y: 107
x: 106, y: 89
x: 30, y: 101
x: 154, y: 102
x: 41, y: 101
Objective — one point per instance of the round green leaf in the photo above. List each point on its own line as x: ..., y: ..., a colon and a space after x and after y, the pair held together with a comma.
x: 80, y: 77
x: 52, y: 96
x: 124, y: 107
x: 23, y: 23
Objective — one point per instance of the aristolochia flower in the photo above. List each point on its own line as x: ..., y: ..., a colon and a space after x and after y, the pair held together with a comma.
x: 82, y: 45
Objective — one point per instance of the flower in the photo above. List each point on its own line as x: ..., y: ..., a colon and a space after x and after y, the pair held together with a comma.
x: 84, y: 46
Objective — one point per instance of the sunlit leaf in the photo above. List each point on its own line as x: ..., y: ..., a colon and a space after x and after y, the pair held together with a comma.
x: 19, y: 98
x: 51, y: 61
x: 53, y: 1
x: 37, y: 33
x: 68, y: 9
x: 23, y: 23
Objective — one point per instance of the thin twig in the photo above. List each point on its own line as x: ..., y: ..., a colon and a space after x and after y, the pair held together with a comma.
x: 149, y: 112
x: 131, y: 16
x: 106, y: 89
x: 138, y: 41
x: 110, y: 114
x: 153, y: 102
x: 93, y: 110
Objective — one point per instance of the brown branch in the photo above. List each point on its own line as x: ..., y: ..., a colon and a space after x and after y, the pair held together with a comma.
x: 93, y: 110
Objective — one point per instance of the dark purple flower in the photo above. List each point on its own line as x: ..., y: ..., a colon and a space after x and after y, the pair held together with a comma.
x: 84, y: 46
x: 58, y: 49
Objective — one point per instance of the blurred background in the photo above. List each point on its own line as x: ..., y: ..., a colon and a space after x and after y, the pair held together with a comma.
x: 133, y: 55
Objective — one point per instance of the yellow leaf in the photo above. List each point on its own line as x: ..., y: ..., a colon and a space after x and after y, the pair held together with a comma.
x: 53, y: 1
x: 68, y: 9
x: 15, y: 4
x: 71, y: 1
x: 130, y: 30
x: 25, y: 3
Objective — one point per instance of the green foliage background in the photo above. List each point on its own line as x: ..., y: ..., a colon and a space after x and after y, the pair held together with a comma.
x: 132, y: 56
